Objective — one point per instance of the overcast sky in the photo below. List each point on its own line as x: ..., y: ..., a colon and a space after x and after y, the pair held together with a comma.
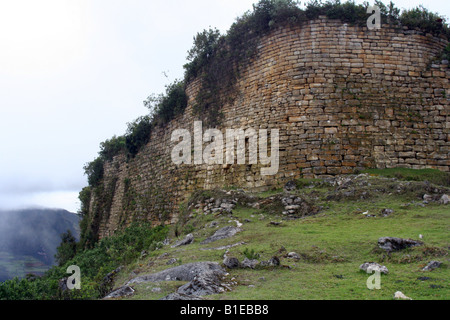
x: 73, y: 73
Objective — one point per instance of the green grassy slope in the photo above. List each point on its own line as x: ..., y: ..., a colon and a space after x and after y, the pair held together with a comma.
x: 332, y: 245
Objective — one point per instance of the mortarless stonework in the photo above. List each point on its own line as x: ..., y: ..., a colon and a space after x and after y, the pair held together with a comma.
x: 342, y: 97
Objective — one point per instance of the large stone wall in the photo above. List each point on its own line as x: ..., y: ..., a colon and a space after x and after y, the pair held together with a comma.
x: 342, y: 98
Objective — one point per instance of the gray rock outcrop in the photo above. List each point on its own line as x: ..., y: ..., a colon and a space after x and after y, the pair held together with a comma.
x: 223, y: 233
x: 395, y: 244
x: 187, y: 240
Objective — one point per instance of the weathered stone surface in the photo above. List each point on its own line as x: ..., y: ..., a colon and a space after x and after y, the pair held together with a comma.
x: 400, y: 296
x: 187, y: 240
x: 290, y: 186
x: 249, y: 263
x: 432, y: 265
x: 204, y: 284
x: 293, y: 255
x: 120, y: 292
x: 223, y: 233
x: 186, y: 272
x: 395, y: 244
x: 231, y: 262
x: 369, y: 267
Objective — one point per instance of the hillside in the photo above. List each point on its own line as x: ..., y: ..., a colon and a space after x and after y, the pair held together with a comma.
x: 320, y: 244
x: 29, y: 238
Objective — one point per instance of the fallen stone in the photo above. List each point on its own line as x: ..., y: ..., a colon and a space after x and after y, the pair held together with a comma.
x: 231, y: 262
x: 249, y: 263
x: 274, y: 261
x: 172, y: 261
x: 432, y: 265
x: 108, y: 281
x: 290, y: 186
x: 224, y: 247
x: 186, y: 272
x: 293, y: 255
x: 395, y: 244
x: 222, y: 233
x: 121, y: 292
x: 386, y: 212
x: 445, y: 199
x: 204, y: 284
x: 187, y: 240
x: 400, y: 296
x: 369, y: 267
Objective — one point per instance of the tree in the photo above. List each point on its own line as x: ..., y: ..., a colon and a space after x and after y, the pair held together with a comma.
x: 67, y: 249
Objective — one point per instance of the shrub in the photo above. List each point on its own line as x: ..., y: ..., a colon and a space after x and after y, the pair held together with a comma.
x: 251, y: 254
x: 425, y: 20
x: 94, y: 263
x: 112, y: 147
x: 67, y: 248
x: 94, y: 171
x: 138, y: 134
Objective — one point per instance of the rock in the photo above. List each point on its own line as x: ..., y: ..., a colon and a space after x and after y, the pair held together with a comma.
x: 395, y: 244
x: 247, y: 263
x: 177, y: 296
x: 432, y: 265
x: 157, y: 289
x: 186, y: 272
x: 172, y: 261
x: 290, y: 186
x: 369, y: 267
x: 274, y: 261
x: 213, y: 224
x: 204, y: 284
x: 293, y: 255
x: 204, y: 278
x: 108, y: 281
x: 227, y: 207
x: 427, y: 197
x: 386, y: 212
x: 224, y: 247
x: 121, y: 292
x: 231, y: 262
x: 62, y: 285
x: 399, y: 295
x: 187, y: 240
x: 222, y: 233
x: 445, y: 199
x: 274, y: 223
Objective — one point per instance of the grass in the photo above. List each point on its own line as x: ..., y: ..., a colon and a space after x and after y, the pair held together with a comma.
x: 332, y: 245
x: 407, y: 174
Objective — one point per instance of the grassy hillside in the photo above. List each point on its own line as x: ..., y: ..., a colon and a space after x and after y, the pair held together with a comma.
x: 335, y: 230
x: 331, y: 244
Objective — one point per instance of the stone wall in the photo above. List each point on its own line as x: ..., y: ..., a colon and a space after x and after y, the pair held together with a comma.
x: 342, y: 97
